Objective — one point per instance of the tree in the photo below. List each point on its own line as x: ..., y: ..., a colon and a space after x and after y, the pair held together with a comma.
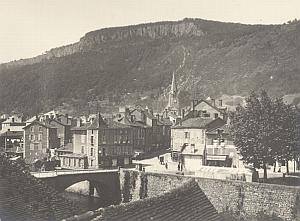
x: 265, y: 131
x: 286, y: 148
x: 254, y: 130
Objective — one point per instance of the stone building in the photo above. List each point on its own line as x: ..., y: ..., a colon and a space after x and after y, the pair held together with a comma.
x: 188, y: 140
x: 39, y: 139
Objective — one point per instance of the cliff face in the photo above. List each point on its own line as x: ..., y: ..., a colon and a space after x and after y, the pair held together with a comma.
x: 134, y: 64
x: 94, y: 39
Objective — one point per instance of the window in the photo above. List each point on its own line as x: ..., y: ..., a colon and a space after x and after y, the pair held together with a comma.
x: 91, y: 163
x: 92, y: 131
x: 36, y: 146
x: 103, y: 139
x: 40, y: 146
x: 216, y: 115
x: 92, y: 151
x: 31, y: 137
x: 82, y: 138
x: 74, y: 162
x: 40, y: 137
x: 40, y: 129
x: 69, y: 161
x: 92, y: 140
x: 31, y: 146
x: 82, y: 149
x: 186, y: 135
x: 31, y: 128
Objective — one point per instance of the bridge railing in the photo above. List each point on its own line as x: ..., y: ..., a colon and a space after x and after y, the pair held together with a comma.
x: 44, y: 174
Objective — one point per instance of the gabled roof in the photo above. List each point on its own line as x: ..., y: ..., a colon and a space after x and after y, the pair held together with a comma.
x: 41, y: 124
x: 114, y: 124
x: 224, y: 128
x: 196, y: 122
x: 97, y: 123
x: 205, y: 101
x: 187, y: 202
x: 57, y: 121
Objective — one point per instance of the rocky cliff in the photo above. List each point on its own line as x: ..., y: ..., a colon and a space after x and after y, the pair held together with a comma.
x: 134, y: 64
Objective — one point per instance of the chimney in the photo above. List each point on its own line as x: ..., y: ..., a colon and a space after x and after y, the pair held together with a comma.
x: 193, y: 105
x: 157, y: 116
x: 220, y: 103
x: 213, y: 102
x: 67, y: 116
x: 79, y: 122
x: 127, y: 111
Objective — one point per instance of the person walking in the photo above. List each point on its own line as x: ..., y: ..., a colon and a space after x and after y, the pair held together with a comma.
x: 166, y: 165
x: 178, y: 167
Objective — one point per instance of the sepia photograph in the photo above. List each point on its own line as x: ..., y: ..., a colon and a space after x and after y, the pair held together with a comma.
x: 149, y: 110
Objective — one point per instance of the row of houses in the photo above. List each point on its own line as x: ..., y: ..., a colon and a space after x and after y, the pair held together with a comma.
x: 197, y: 135
x: 86, y: 142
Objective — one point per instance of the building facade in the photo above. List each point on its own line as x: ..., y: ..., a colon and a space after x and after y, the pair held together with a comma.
x: 188, y: 140
x: 39, y: 139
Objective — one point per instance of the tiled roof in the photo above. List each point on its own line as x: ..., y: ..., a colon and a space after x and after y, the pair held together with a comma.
x: 224, y: 128
x: 24, y: 197
x: 114, y: 124
x: 12, y: 134
x: 197, y: 122
x: 40, y: 123
x: 97, y: 122
x: 213, y: 106
x: 187, y: 202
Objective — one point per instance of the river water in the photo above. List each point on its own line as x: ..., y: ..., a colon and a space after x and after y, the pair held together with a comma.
x: 84, y: 203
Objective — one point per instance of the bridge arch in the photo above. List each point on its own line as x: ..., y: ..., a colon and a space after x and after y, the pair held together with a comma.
x: 107, y: 185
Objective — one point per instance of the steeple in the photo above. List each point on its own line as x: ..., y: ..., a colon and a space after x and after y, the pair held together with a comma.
x: 173, y: 85
x: 173, y: 104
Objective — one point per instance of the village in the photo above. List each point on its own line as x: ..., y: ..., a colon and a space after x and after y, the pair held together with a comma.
x: 194, y: 140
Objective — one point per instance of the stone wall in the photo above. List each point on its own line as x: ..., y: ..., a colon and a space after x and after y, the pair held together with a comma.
x: 242, y: 199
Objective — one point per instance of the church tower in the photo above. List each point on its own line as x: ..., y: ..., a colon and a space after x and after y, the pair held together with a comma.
x: 173, y: 104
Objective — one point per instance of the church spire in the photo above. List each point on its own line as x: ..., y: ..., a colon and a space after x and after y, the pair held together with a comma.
x: 173, y: 104
x: 173, y: 85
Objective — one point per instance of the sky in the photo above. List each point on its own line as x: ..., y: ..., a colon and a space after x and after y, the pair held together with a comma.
x: 31, y: 27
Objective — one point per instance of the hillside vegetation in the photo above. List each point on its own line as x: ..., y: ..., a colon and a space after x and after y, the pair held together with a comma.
x: 134, y: 64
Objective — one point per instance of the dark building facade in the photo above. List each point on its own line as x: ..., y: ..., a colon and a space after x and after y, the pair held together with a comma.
x: 39, y: 138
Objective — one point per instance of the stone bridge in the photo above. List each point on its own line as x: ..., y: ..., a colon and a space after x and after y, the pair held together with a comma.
x: 106, y: 182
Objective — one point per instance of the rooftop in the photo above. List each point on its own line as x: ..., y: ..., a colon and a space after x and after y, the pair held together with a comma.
x: 196, y: 122
x: 186, y: 202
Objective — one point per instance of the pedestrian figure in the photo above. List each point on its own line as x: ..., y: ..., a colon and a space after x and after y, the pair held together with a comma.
x: 181, y: 167
x: 144, y: 169
x: 178, y: 167
x: 158, y: 157
x: 166, y: 165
